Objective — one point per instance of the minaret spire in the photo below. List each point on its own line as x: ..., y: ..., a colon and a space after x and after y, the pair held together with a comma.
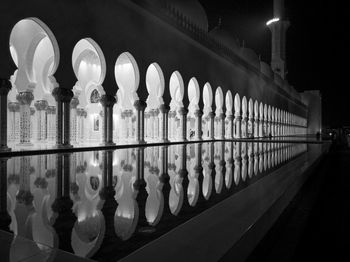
x: 279, y: 29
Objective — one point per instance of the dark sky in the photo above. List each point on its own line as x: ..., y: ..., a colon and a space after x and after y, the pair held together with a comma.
x: 316, y: 53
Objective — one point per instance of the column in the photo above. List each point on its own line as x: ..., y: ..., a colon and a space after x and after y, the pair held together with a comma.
x: 256, y: 126
x: 108, y: 102
x: 211, y: 125
x: 164, y: 109
x: 244, y: 125
x: 63, y: 97
x: 183, y: 123
x: 251, y: 126
x: 237, y: 123
x: 261, y: 126
x: 25, y: 99
x: 5, y: 87
x: 41, y: 106
x: 222, y: 125
x: 198, y: 124
x: 140, y: 107
x: 74, y: 120
x: 229, y: 134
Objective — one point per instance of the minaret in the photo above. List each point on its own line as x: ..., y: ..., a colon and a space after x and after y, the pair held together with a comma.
x: 279, y: 29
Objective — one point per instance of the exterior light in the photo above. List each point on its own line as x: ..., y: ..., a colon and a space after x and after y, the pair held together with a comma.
x: 273, y: 20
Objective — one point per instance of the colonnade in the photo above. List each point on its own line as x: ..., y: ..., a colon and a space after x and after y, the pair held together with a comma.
x: 35, y: 110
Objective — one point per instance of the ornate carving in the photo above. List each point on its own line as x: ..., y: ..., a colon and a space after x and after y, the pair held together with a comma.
x: 107, y: 100
x: 41, y: 105
x: 25, y: 98
x: 62, y: 94
x: 74, y: 103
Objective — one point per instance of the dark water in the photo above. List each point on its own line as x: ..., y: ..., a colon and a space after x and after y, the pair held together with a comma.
x: 106, y: 204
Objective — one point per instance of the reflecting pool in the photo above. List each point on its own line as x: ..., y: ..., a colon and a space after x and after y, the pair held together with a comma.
x: 107, y: 204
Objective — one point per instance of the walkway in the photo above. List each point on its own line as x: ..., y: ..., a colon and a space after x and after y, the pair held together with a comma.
x: 316, y: 224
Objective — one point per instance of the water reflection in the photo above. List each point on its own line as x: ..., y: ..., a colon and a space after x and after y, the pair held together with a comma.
x: 89, y: 202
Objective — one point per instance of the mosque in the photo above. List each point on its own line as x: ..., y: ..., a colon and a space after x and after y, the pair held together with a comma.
x: 134, y: 72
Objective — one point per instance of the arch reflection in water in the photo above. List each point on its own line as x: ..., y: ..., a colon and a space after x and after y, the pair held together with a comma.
x: 86, y: 201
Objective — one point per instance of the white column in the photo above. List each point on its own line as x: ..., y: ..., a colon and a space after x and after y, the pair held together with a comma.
x: 25, y: 99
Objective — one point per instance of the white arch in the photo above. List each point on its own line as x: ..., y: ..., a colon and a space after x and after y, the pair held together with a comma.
x: 127, y: 77
x: 244, y: 106
x: 207, y: 98
x: 155, y: 86
x: 250, y: 108
x: 219, y: 101
x: 29, y: 39
x: 261, y: 110
x: 237, y: 105
x: 229, y: 103
x: 256, y: 109
x: 193, y: 94
x: 89, y: 66
x: 176, y: 86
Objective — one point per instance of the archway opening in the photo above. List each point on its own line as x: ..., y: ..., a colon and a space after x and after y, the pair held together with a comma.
x: 250, y: 118
x: 128, y: 78
x: 244, y: 123
x: 34, y: 51
x: 176, y: 86
x: 207, y: 110
x: 237, y: 119
x: 228, y: 120
x: 155, y: 88
x: 86, y: 111
x: 193, y: 98
x: 219, y: 103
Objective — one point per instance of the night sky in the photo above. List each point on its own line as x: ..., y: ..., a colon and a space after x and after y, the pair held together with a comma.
x: 316, y: 54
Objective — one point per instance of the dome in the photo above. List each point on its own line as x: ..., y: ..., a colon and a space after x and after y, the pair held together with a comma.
x: 250, y: 56
x: 224, y: 37
x: 266, y: 70
x: 193, y: 10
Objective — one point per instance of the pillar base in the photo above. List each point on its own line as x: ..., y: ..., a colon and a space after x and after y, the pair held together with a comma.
x: 5, y: 149
x: 108, y: 144
x: 63, y: 146
x: 143, y: 142
x: 164, y: 141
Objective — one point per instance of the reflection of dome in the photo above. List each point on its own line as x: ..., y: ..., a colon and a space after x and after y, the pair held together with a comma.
x: 266, y: 70
x: 250, y: 56
x: 225, y: 37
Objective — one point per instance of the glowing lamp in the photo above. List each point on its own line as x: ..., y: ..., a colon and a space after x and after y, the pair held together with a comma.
x: 273, y: 20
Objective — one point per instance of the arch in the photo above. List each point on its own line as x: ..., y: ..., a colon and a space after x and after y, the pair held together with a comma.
x: 244, y: 106
x: 250, y: 108
x: 89, y: 66
x: 155, y: 85
x: 265, y: 111
x: 229, y: 103
x: 207, y: 98
x: 237, y: 105
x: 176, y: 86
x: 261, y: 110
x: 127, y: 76
x: 256, y: 109
x: 219, y: 100
x: 31, y: 38
x: 193, y: 93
